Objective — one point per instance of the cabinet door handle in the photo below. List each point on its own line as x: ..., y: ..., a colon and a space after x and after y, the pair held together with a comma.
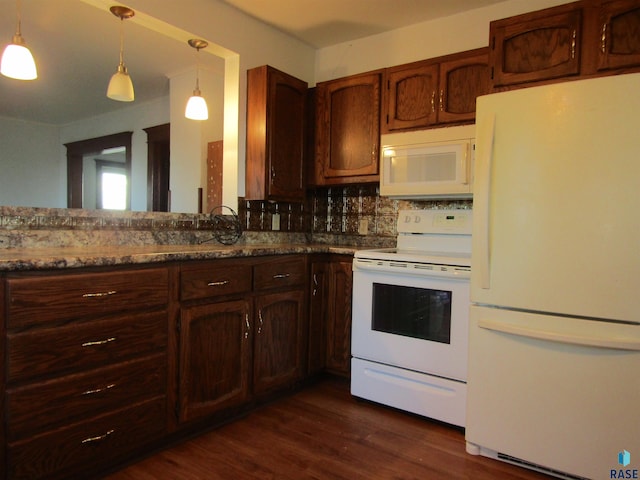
x: 217, y: 284
x: 433, y: 102
x: 260, y: 321
x: 282, y: 275
x: 246, y: 322
x: 441, y: 100
x: 99, y: 294
x: 98, y: 438
x: 603, y: 39
x: 99, y: 342
x: 573, y: 44
x: 315, y: 285
x: 99, y: 390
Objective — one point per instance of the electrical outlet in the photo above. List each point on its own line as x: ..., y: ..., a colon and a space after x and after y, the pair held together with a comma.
x: 275, y: 221
x: 363, y: 226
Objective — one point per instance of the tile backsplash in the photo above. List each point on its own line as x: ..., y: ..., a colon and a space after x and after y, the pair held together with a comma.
x: 345, y: 211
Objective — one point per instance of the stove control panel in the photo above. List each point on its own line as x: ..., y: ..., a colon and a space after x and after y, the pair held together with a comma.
x: 435, y: 221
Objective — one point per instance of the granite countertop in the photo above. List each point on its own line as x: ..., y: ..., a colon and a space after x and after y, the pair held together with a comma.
x: 15, y: 259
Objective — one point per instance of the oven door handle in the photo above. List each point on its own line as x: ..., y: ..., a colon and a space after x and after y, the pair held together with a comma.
x: 405, y: 268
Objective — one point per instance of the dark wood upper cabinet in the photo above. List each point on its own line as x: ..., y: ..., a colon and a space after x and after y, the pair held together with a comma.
x: 578, y: 40
x: 348, y: 129
x: 536, y: 46
x: 410, y: 96
x: 462, y: 80
x: 439, y: 90
x: 275, y: 135
x: 619, y: 29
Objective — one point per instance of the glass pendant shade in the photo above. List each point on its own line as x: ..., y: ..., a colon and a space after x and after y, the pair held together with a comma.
x: 196, y: 107
x: 17, y: 61
x: 120, y: 86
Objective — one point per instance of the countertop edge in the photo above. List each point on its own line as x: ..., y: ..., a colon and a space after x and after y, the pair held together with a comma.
x: 25, y: 259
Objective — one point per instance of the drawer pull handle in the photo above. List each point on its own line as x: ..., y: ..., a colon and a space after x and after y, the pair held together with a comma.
x: 99, y: 294
x: 98, y: 438
x: 282, y: 275
x: 217, y: 284
x: 98, y: 390
x: 99, y: 342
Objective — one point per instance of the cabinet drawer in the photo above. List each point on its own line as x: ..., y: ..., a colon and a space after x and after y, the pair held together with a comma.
x: 214, y: 278
x: 281, y: 273
x: 89, y: 445
x: 34, y: 300
x: 46, y: 405
x: 84, y: 346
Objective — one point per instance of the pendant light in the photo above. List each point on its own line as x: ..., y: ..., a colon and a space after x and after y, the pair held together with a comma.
x: 197, y: 106
x: 17, y: 61
x: 120, y: 86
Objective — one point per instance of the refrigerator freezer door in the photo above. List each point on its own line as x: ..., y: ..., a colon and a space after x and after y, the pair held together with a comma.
x: 553, y: 402
x: 556, y: 206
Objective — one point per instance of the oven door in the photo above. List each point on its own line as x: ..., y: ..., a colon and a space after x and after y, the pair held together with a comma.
x: 416, y: 322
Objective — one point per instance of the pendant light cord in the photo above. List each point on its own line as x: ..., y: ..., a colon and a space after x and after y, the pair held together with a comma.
x: 19, y: 18
x: 122, y: 41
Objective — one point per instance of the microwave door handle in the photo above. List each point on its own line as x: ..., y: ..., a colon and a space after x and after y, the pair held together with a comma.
x: 481, y: 202
x: 463, y: 171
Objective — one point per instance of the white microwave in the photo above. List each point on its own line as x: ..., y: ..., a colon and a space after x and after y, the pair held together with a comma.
x: 435, y: 163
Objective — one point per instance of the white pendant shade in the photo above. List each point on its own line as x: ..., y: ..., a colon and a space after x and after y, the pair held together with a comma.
x: 120, y: 86
x: 18, y: 63
x: 196, y: 108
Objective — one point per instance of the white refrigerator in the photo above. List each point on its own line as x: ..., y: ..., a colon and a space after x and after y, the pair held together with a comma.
x: 554, y: 337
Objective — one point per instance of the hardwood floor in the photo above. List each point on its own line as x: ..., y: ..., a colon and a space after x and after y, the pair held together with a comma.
x: 324, y: 433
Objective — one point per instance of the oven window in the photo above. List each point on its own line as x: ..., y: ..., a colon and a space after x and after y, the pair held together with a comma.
x: 413, y: 312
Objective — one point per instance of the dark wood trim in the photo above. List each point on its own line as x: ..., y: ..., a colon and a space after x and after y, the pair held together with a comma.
x: 158, y: 167
x: 77, y: 150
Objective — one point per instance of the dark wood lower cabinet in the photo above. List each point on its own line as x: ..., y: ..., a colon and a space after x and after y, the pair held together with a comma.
x: 278, y: 340
x: 157, y: 353
x: 330, y: 315
x: 242, y: 333
x: 215, y: 355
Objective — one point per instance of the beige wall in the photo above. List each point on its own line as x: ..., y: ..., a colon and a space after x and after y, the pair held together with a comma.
x: 453, y: 34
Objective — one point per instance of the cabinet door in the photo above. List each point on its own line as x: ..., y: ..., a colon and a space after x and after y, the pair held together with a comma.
x: 348, y: 130
x: 620, y: 34
x: 537, y: 46
x: 318, y: 315
x: 339, y: 319
x: 461, y: 82
x: 276, y: 105
x: 278, y: 343
x: 215, y: 351
x: 411, y: 96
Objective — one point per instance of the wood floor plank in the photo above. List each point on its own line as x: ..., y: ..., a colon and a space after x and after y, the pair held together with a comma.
x: 323, y: 433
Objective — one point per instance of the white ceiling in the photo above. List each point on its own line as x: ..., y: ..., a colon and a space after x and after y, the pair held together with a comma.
x: 322, y: 23
x: 76, y: 46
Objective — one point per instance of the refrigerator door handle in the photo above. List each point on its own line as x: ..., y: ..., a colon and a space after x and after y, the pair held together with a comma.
x: 616, y: 343
x: 482, y: 184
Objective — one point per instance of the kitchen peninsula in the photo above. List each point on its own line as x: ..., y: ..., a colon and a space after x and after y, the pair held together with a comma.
x: 115, y: 348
